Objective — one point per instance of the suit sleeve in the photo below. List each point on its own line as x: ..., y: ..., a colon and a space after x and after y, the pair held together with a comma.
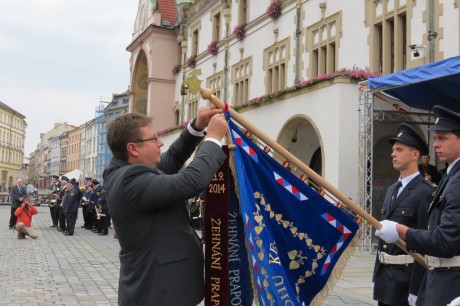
x: 179, y: 152
x: 15, y: 194
x: 161, y: 190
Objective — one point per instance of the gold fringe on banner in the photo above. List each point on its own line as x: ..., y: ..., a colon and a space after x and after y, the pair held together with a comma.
x: 337, y: 271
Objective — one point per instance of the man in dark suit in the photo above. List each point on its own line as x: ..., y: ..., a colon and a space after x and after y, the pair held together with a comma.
x: 55, y: 185
x: 18, y: 193
x: 396, y: 276
x: 429, y: 171
x: 441, y: 241
x: 70, y: 206
x: 161, y: 258
x: 58, y: 210
x: 84, y: 203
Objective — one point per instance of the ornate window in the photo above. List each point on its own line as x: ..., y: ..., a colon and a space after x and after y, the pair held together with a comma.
x: 216, y: 24
x: 243, y: 11
x: 323, y: 39
x: 276, y: 59
x: 195, y: 38
x: 215, y: 83
x: 241, y: 75
x: 388, y: 35
x: 192, y: 105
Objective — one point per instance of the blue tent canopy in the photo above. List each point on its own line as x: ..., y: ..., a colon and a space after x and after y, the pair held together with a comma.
x: 424, y: 86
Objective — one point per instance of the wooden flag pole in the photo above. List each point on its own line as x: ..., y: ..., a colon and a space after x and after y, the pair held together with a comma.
x: 206, y: 94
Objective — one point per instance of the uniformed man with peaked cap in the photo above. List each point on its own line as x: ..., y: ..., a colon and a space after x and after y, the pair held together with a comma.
x: 441, y: 241
x: 84, y: 202
x: 55, y: 185
x: 396, y: 276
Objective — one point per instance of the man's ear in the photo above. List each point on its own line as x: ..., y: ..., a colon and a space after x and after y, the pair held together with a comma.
x: 131, y: 149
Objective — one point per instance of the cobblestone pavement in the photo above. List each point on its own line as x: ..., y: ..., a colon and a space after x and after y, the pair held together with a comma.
x: 83, y: 269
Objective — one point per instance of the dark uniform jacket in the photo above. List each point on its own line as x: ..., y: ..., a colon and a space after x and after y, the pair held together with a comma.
x: 71, y: 200
x: 393, y: 283
x: 101, y: 197
x: 442, y: 239
x: 87, y: 195
x: 60, y: 198
x: 161, y: 257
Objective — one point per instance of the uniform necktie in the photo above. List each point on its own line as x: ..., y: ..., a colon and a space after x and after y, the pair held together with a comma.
x: 395, y: 193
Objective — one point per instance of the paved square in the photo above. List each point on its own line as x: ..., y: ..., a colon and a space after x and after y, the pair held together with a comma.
x: 83, y: 269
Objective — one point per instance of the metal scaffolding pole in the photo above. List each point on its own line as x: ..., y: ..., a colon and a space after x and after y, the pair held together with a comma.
x: 366, y: 132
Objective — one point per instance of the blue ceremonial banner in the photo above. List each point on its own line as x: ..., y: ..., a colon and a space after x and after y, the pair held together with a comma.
x: 294, y: 236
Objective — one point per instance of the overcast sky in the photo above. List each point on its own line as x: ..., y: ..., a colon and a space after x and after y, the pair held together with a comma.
x: 58, y: 57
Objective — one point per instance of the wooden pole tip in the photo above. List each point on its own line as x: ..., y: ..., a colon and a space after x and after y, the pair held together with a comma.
x: 205, y: 93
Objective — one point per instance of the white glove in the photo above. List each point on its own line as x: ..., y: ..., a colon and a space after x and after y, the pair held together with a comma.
x: 455, y: 302
x: 388, y: 231
x: 412, y: 299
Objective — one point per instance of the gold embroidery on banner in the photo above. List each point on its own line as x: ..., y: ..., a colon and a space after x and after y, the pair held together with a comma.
x: 296, y: 256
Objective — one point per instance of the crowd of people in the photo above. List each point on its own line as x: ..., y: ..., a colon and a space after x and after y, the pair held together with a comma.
x: 67, y: 197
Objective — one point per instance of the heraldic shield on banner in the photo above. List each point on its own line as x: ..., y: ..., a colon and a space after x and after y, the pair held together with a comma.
x: 297, y: 241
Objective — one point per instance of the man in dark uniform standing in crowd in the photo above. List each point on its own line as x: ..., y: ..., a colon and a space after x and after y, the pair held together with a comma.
x: 97, y: 208
x: 55, y: 187
x: 84, y: 202
x: 70, y: 206
x: 429, y: 171
x: 441, y: 241
x: 104, y: 220
x: 58, y: 210
x: 396, y: 276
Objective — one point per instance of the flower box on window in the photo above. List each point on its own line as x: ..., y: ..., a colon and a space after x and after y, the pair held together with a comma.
x: 240, y: 31
x: 274, y: 9
x: 191, y: 61
x: 213, y: 49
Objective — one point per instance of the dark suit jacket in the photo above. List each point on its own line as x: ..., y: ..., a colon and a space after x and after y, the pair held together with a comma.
x: 442, y: 239
x: 161, y: 257
x: 16, y: 194
x: 71, y: 199
x: 393, y: 283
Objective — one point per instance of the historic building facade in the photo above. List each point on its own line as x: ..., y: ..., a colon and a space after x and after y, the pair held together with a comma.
x: 12, y: 136
x: 290, y: 67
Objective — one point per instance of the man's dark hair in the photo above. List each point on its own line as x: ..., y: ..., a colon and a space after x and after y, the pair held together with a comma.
x: 123, y: 130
